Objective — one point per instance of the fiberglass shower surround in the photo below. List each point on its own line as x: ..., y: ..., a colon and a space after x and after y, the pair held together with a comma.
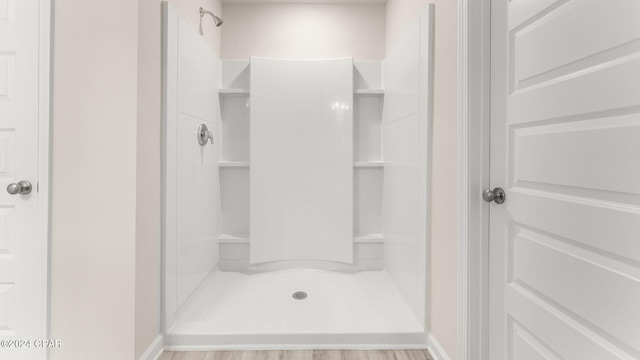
x: 315, y: 185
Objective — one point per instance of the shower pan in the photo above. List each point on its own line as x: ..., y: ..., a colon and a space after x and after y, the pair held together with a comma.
x: 295, y: 197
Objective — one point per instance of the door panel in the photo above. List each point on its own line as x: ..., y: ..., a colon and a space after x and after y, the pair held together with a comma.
x: 565, y: 144
x: 22, y: 288
x: 570, y: 35
x: 562, y: 154
x: 554, y: 331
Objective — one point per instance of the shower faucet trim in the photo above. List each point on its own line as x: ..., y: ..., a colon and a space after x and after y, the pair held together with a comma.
x: 204, y: 135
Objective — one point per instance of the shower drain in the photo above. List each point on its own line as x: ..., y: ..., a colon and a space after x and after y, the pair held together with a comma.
x: 299, y: 295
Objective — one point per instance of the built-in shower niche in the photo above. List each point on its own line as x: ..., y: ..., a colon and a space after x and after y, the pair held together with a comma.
x: 235, y: 171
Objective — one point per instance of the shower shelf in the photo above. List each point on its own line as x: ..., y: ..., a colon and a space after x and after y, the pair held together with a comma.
x: 233, y: 92
x: 233, y: 164
x: 370, y: 92
x: 368, y: 164
x: 234, y: 238
x: 370, y: 238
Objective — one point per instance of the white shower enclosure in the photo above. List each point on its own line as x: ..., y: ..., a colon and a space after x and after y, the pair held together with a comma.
x: 315, y: 184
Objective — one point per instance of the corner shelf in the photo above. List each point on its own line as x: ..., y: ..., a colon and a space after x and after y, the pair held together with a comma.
x: 368, y: 164
x: 369, y: 92
x: 369, y: 238
x: 233, y: 92
x: 234, y: 238
x: 233, y: 164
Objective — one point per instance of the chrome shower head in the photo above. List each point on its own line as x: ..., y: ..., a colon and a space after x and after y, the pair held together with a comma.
x: 216, y: 20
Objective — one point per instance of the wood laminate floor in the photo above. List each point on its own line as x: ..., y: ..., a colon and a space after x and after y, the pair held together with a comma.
x: 298, y: 355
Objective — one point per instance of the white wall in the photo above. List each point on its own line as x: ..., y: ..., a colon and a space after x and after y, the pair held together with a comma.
x: 444, y: 181
x: 406, y: 160
x: 105, y: 232
x: 192, y: 94
x: 303, y: 31
x: 148, y: 220
x: 93, y: 224
x: 300, y: 210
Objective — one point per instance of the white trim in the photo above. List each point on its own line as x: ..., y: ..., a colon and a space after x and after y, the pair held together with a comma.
x: 168, y: 231
x: 435, y: 349
x: 297, y: 347
x: 463, y: 193
x: 248, y: 342
x: 473, y: 161
x: 155, y: 349
x: 44, y: 153
x: 425, y: 150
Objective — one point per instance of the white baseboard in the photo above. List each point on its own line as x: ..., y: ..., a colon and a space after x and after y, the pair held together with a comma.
x: 436, y: 350
x: 154, y: 350
x: 299, y: 341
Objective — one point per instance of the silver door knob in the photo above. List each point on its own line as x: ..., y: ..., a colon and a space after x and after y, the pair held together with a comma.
x: 497, y: 195
x: 23, y: 188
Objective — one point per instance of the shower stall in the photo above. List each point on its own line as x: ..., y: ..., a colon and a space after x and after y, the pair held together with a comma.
x: 295, y: 196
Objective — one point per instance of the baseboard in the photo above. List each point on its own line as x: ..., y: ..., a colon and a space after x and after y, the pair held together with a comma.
x: 289, y: 347
x: 436, y: 350
x: 299, y: 341
x: 154, y: 350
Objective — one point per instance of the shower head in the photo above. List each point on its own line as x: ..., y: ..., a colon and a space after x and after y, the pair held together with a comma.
x: 216, y: 20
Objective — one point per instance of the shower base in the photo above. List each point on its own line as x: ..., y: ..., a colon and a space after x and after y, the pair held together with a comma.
x: 258, y: 311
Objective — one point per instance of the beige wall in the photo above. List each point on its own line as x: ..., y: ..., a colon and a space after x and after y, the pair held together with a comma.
x: 444, y: 211
x: 148, y: 196
x: 93, y: 176
x: 303, y: 31
x: 105, y: 236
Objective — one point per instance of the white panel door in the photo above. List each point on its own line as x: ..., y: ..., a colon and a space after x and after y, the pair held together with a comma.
x: 565, y: 145
x: 22, y: 254
x: 301, y: 160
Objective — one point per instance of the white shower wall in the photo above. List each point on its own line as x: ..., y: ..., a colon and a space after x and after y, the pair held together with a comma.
x: 406, y: 133
x: 192, y: 210
x: 236, y: 169
x: 301, y: 160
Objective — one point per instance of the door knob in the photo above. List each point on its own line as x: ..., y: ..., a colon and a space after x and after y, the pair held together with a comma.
x: 23, y: 188
x: 497, y: 195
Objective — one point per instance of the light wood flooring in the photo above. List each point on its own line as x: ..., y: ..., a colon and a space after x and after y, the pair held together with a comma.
x: 298, y: 355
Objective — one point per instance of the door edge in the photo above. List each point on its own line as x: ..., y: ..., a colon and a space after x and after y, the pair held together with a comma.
x: 474, y: 100
x: 44, y: 154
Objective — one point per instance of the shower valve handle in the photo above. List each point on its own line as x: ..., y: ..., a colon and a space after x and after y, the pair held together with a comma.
x: 204, y: 135
x: 208, y: 135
